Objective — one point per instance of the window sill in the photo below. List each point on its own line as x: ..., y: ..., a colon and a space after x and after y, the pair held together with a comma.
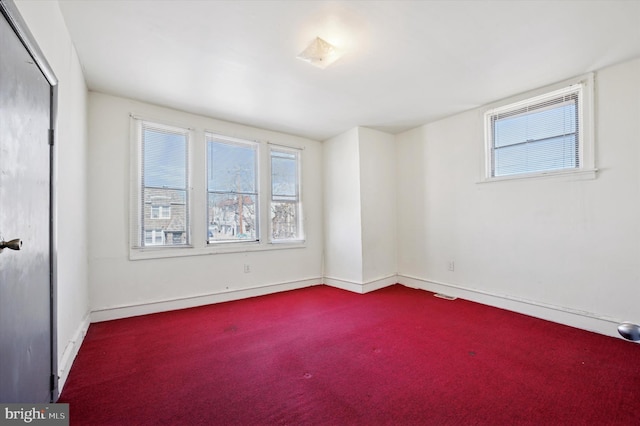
x: 212, y: 249
x: 573, y: 175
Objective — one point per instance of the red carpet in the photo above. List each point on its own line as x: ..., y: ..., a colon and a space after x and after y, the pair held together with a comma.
x: 323, y: 356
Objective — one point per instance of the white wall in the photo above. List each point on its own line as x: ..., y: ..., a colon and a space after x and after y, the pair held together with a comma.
x: 360, y: 210
x: 343, y: 229
x: 378, y: 198
x: 47, y: 25
x: 561, y: 248
x: 123, y: 287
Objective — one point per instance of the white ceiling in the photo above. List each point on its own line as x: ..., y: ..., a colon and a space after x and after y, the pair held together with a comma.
x: 406, y: 63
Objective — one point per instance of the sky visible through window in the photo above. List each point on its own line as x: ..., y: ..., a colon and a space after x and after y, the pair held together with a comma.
x: 232, y: 168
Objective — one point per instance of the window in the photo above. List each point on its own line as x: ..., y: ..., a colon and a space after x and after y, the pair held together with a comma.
x: 285, y: 195
x: 160, y: 212
x: 540, y: 135
x: 231, y: 206
x: 232, y: 189
x: 162, y: 217
x: 154, y: 237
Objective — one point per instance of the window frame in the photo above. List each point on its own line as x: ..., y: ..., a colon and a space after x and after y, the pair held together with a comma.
x: 298, y: 201
x: 586, y: 161
x: 197, y: 193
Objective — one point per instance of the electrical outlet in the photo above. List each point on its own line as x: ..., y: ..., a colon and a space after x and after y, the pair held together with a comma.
x: 247, y: 269
x: 452, y: 265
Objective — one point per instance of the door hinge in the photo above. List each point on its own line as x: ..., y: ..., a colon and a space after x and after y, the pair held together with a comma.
x: 51, y: 137
x: 53, y: 382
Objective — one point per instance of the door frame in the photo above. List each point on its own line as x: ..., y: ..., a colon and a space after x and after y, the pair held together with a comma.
x: 11, y: 13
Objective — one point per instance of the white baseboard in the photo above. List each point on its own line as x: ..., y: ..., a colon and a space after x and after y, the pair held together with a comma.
x: 562, y: 315
x: 125, y: 311
x: 71, y: 351
x: 361, y: 287
x: 379, y: 283
x: 343, y: 284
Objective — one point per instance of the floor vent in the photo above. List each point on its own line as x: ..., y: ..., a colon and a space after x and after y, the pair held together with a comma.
x: 444, y: 296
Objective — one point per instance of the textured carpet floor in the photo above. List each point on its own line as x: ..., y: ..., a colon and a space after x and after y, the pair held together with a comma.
x: 396, y: 356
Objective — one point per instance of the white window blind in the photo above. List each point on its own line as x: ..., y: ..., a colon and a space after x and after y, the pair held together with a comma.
x: 163, y: 215
x: 536, y: 135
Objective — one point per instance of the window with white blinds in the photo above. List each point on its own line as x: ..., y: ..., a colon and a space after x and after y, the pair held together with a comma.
x: 162, y: 216
x: 538, y: 135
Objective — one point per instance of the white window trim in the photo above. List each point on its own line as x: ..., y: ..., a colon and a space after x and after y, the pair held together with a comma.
x: 301, y: 234
x: 587, y: 168
x: 197, y: 176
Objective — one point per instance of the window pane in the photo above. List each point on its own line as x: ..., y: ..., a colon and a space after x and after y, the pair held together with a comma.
x: 284, y: 220
x: 232, y: 190
x: 165, y: 157
x: 165, y: 212
x: 285, y: 196
x: 536, y: 125
x: 231, y: 167
x: 232, y: 217
x: 549, y: 154
x: 284, y: 175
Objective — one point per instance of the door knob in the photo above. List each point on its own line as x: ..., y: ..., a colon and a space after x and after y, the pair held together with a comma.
x: 12, y: 245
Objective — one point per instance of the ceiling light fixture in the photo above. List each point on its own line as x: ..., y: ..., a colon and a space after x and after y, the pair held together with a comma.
x: 320, y: 53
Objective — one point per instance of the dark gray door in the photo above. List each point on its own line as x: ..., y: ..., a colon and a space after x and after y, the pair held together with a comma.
x: 25, y: 274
